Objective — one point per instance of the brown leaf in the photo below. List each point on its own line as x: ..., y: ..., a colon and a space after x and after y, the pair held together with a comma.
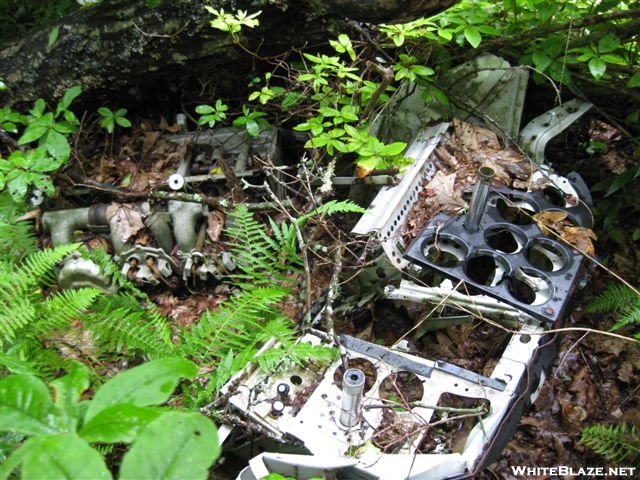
x: 580, y: 238
x: 550, y: 220
x: 215, y: 224
x: 125, y: 220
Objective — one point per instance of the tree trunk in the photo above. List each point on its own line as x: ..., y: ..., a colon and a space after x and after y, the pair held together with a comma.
x: 120, y: 46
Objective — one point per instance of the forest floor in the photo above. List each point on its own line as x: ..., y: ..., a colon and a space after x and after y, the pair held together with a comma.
x: 595, y: 378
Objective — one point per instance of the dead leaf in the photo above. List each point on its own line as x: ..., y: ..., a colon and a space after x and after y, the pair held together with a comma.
x: 441, y: 191
x: 125, y: 220
x: 215, y: 224
x: 550, y: 220
x: 580, y: 238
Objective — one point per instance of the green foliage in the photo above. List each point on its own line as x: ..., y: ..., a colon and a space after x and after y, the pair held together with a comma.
x: 110, y: 118
x: 620, y: 299
x: 619, y: 443
x: 18, y: 18
x: 236, y: 332
x: 618, y: 204
x: 252, y: 121
x: 46, y: 132
x: 233, y: 23
x: 22, y: 302
x: 211, y: 115
x: 60, y: 429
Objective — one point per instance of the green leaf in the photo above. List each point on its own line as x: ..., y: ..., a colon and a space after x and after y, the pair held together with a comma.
x: 105, y: 112
x: 393, y: 149
x: 121, y: 423
x: 177, y: 445
x: 204, y: 109
x: 608, y: 43
x: 253, y: 129
x: 473, y: 36
x: 68, y: 390
x: 69, y: 96
x: 57, y: 145
x: 541, y: 61
x: 53, y: 37
x: 26, y: 406
x: 123, y: 122
x: 33, y: 132
x: 634, y: 81
x: 151, y: 383
x: 597, y: 67
x: 64, y: 457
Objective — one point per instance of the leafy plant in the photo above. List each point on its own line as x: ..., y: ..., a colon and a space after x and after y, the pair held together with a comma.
x: 49, y: 132
x: 252, y: 121
x: 61, y: 429
x: 622, y: 300
x: 212, y: 114
x: 233, y: 22
x: 620, y: 443
x: 111, y: 119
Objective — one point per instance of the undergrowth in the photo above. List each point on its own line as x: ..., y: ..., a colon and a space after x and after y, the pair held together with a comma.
x: 619, y: 443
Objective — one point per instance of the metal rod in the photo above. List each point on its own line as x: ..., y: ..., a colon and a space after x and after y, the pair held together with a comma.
x: 352, y: 388
x: 478, y: 202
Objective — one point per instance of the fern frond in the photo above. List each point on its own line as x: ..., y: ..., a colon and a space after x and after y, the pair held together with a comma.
x: 616, y: 442
x: 17, y: 238
x: 119, y: 323
x: 332, y: 207
x: 62, y: 307
x: 20, y: 289
x: 260, y: 259
x: 616, y: 297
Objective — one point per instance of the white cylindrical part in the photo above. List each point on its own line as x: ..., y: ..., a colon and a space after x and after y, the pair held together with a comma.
x: 352, y: 388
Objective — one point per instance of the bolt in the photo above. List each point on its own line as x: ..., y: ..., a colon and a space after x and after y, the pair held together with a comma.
x: 549, y: 311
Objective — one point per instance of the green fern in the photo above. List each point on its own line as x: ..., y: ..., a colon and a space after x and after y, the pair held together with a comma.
x: 332, y: 207
x: 20, y: 290
x: 18, y: 237
x: 121, y: 323
x: 617, y: 442
x: 620, y: 299
x: 261, y: 259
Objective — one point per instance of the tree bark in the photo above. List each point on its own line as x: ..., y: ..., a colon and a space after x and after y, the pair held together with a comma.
x: 119, y: 46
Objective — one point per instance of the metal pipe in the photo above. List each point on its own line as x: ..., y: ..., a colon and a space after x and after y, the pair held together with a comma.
x: 352, y: 388
x: 479, y: 198
x: 62, y: 223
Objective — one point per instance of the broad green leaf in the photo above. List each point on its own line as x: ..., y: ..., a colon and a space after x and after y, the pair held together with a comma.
x: 253, y: 129
x: 121, y: 423
x: 608, y: 43
x: 63, y: 457
x: 14, y: 460
x: 634, y: 81
x: 177, y: 445
x: 69, y: 96
x: 67, y: 392
x: 422, y: 70
x: 473, y: 36
x: 393, y: 149
x: 123, y: 122
x: 541, y: 61
x: 26, y: 406
x: 57, y: 145
x: 597, y: 67
x: 33, y: 132
x: 18, y: 186
x: 64, y: 127
x: 151, y: 383
x: 105, y: 112
x: 204, y: 109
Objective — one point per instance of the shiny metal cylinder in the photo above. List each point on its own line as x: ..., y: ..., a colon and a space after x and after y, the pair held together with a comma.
x: 478, y: 203
x: 352, y: 388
